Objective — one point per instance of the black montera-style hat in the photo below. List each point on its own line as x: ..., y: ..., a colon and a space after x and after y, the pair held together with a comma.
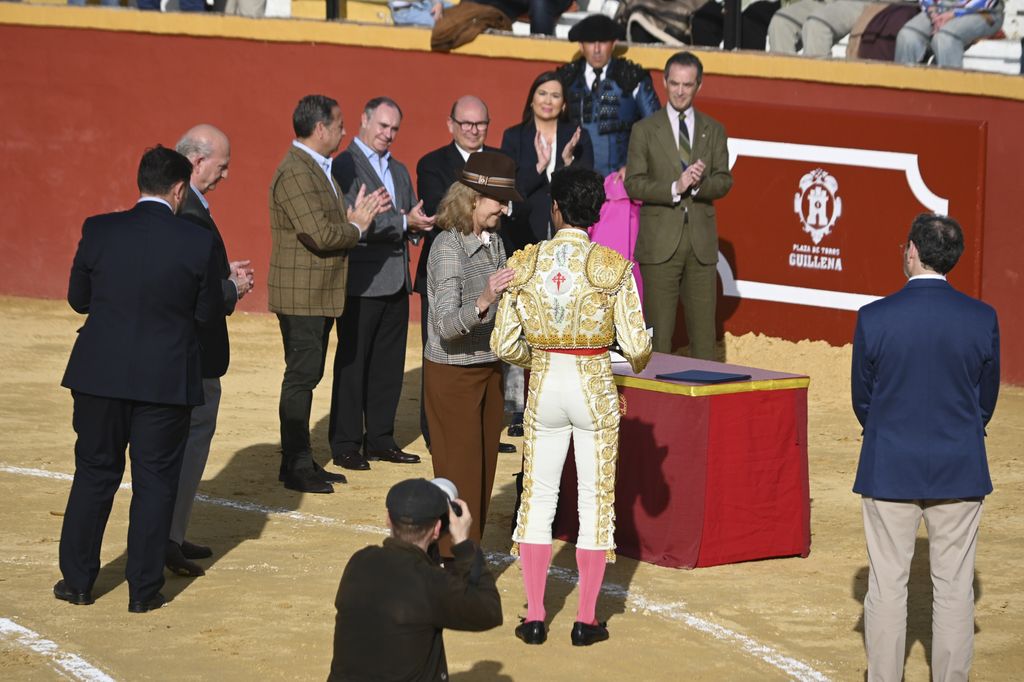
x: 493, y: 174
x: 595, y: 28
x: 416, y: 501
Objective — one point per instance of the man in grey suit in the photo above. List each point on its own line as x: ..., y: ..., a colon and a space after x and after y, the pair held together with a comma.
x: 209, y: 150
x: 370, y: 362
x: 678, y: 165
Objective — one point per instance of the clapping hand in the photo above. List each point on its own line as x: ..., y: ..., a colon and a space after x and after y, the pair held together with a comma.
x: 417, y: 220
x: 570, y: 147
x: 243, y: 276
x: 543, y: 150
x: 691, y: 176
x: 368, y: 206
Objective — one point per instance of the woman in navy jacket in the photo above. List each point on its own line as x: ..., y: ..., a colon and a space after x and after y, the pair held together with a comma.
x: 544, y: 142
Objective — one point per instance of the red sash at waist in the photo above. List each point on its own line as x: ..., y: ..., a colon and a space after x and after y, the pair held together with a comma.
x: 577, y: 351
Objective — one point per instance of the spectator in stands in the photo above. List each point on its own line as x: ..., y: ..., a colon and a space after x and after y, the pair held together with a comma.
x: 812, y: 25
x: 543, y: 13
x: 606, y: 95
x: 183, y: 5
x: 105, y: 3
x: 949, y: 28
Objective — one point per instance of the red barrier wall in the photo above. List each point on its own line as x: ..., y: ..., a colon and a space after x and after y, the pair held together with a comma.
x: 77, y: 107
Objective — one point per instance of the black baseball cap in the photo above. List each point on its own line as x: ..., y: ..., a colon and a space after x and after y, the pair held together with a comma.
x: 416, y: 501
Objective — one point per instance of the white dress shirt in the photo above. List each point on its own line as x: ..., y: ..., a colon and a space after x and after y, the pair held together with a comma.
x: 324, y: 162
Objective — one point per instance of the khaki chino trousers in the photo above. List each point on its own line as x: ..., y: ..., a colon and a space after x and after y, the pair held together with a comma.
x: 890, y: 528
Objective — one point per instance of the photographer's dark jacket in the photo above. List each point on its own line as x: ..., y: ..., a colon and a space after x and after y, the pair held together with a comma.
x: 393, y: 604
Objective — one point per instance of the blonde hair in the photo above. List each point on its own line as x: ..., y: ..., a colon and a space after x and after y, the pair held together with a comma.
x: 455, y: 211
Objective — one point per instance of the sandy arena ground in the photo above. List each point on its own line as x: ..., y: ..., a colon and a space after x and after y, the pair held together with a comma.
x: 265, y: 608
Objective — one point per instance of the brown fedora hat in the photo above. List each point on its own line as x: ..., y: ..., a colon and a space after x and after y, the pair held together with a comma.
x: 493, y: 174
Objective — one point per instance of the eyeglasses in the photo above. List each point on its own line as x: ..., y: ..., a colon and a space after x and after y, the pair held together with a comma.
x: 471, y: 125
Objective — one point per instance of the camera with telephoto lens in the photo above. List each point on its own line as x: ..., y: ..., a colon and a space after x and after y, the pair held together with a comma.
x: 449, y: 489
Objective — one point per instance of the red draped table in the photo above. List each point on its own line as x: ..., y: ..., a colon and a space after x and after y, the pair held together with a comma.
x: 707, y: 474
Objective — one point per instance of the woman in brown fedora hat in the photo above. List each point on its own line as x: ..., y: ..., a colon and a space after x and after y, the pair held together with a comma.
x: 466, y: 276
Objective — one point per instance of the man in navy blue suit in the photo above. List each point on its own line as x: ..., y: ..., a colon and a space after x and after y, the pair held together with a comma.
x: 145, y: 278
x: 925, y: 380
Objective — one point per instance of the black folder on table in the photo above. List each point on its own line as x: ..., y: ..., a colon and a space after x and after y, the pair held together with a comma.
x: 700, y: 376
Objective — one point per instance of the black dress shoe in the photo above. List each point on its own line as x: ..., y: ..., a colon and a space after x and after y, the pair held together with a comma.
x: 393, y: 455
x: 532, y: 631
x: 585, y: 635
x: 506, y: 448
x: 141, y: 606
x: 328, y: 476
x: 72, y: 596
x: 352, y: 460
x: 515, y: 429
x: 177, y: 563
x: 193, y: 551
x: 306, y: 481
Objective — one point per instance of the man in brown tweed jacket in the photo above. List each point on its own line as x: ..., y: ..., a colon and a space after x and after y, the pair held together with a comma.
x: 311, y: 231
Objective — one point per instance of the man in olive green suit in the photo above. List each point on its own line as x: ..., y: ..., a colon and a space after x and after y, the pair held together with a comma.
x: 310, y: 231
x: 678, y: 165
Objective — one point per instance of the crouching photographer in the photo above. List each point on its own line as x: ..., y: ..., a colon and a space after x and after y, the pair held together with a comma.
x: 395, y: 600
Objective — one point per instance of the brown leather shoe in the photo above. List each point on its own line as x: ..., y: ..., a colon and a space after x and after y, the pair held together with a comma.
x: 393, y: 455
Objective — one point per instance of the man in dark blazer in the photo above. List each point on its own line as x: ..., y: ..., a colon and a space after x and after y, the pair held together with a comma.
x: 468, y: 123
x: 369, y: 366
x: 678, y: 165
x: 209, y: 150
x: 925, y: 379
x: 145, y: 278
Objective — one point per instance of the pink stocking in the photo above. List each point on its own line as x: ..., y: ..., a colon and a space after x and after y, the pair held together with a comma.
x: 590, y: 563
x: 535, y: 560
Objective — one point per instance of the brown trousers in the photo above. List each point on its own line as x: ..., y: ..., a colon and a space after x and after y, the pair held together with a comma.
x: 465, y: 408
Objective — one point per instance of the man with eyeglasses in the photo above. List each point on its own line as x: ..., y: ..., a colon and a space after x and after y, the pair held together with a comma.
x: 467, y: 122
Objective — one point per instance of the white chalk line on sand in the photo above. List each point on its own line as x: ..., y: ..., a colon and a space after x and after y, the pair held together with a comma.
x: 72, y: 664
x: 795, y: 669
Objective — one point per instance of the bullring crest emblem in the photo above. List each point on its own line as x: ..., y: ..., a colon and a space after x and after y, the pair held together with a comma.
x: 818, y: 204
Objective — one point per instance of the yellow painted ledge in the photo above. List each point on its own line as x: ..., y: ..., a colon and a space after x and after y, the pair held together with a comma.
x: 703, y: 390
x: 716, y: 62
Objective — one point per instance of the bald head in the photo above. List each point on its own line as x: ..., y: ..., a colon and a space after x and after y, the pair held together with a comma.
x: 468, y: 122
x: 209, y: 150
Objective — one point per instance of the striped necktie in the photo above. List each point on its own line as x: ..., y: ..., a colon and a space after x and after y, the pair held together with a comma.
x: 684, y: 141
